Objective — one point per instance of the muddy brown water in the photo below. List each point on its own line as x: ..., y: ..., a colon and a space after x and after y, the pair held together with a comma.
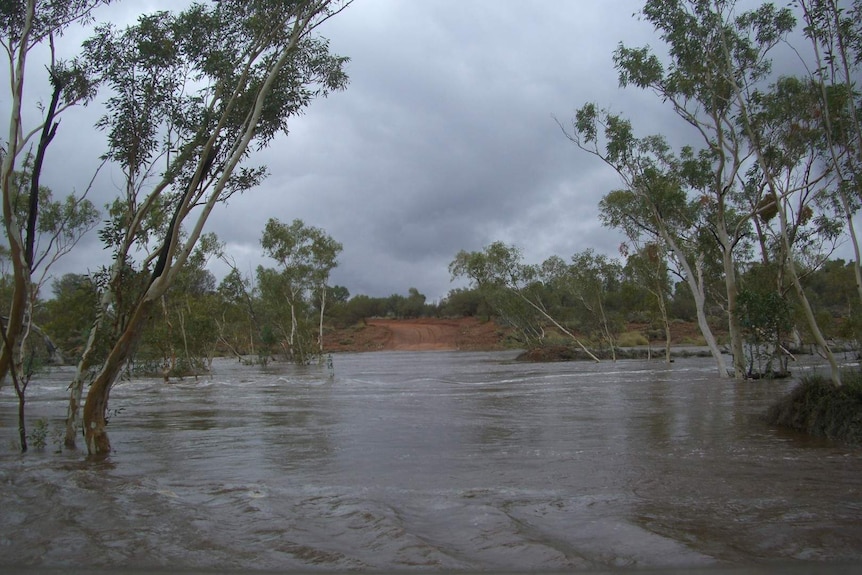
x: 441, y: 460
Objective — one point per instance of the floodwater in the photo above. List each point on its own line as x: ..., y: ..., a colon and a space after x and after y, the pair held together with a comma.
x: 435, y: 460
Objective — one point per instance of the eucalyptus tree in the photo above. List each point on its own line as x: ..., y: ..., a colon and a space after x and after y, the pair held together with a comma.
x: 25, y: 28
x: 189, y: 94
x: 765, y: 314
x: 660, y: 203
x: 58, y: 228
x: 306, y: 256
x: 797, y: 211
x: 835, y: 31
x: 502, y: 279
x: 696, y: 80
x: 413, y: 305
x: 512, y: 288
x: 238, y: 323
x: 182, y: 338
x: 596, y: 277
x: 782, y: 126
x: 586, y: 283
x: 647, y: 266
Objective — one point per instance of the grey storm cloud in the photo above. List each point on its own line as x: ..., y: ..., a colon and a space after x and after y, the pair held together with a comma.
x: 446, y: 139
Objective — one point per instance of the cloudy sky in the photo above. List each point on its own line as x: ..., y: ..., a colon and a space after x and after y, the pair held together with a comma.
x: 445, y: 139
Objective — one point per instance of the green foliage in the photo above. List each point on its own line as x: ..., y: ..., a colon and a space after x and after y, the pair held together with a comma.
x: 38, y: 435
x: 709, y: 46
x: 647, y: 287
x: 268, y: 344
x: 465, y: 302
x: 765, y: 319
x: 832, y: 287
x: 531, y: 298
x: 51, y: 17
x: 835, y: 32
x: 704, y: 206
x: 294, y: 295
x: 60, y: 224
x: 587, y: 291
x: 764, y: 315
x: 508, y: 285
x: 412, y: 306
x: 39, y: 231
x: 361, y: 307
x: 356, y: 309
x: 70, y: 314
x: 182, y: 339
x: 682, y: 304
x: 338, y: 294
x: 188, y: 92
x: 232, y: 46
x: 307, y: 252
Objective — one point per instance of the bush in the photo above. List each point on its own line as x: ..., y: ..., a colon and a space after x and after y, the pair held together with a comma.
x: 697, y: 341
x: 38, y: 436
x: 820, y: 409
x: 632, y: 339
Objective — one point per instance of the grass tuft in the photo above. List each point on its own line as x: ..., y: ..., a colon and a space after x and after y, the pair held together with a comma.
x: 818, y: 408
x: 632, y: 339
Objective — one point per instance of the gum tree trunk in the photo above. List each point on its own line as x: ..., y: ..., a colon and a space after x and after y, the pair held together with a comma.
x: 695, y: 283
x: 96, y: 405
x: 736, y: 347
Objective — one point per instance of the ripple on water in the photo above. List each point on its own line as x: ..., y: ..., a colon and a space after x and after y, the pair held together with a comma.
x: 445, y: 461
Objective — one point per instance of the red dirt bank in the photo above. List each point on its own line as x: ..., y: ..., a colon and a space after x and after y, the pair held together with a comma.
x: 424, y: 334
x: 465, y: 333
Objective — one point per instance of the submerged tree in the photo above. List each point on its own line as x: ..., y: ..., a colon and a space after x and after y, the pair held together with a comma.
x: 512, y: 287
x: 585, y: 284
x: 766, y: 320
x: 306, y: 256
x: 190, y: 93
x: 835, y: 31
x: 795, y: 189
x: 648, y: 267
x: 710, y: 47
x: 58, y: 228
x: 28, y: 213
x: 183, y: 335
x: 777, y: 126
x: 660, y: 204
x: 238, y: 324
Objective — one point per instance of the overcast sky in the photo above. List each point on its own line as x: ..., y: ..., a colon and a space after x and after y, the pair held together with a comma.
x: 445, y: 139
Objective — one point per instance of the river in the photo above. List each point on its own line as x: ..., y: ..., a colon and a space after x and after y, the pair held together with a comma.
x: 441, y: 460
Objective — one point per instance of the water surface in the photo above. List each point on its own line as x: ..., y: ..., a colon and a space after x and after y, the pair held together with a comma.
x: 443, y: 460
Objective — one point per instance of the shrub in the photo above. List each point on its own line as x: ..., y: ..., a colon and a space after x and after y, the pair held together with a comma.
x: 38, y: 436
x: 820, y: 409
x: 632, y: 339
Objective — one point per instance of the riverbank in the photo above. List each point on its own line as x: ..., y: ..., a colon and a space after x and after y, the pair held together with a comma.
x: 474, y: 334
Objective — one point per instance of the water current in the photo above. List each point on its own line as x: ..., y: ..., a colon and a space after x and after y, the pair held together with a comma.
x: 440, y: 460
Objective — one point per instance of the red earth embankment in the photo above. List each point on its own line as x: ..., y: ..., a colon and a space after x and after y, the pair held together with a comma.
x: 423, y: 334
x: 466, y: 333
